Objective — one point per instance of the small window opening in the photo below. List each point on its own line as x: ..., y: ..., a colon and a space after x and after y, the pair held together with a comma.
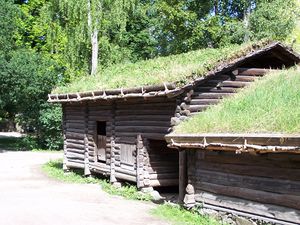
x: 101, y: 128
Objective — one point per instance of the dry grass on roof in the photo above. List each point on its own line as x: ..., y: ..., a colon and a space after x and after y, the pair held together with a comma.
x: 179, y: 69
x: 269, y: 105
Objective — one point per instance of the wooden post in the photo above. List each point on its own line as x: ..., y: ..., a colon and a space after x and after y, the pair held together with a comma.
x: 139, y: 162
x: 65, y: 160
x: 87, y: 171
x: 113, y: 147
x: 182, y: 175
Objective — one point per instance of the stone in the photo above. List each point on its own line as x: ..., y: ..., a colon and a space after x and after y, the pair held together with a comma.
x: 190, y: 189
x: 243, y: 221
x: 117, y: 185
x: 155, y: 195
x: 147, y: 189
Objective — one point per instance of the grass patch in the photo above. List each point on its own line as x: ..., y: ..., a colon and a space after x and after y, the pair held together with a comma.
x: 54, y: 170
x: 179, y: 69
x: 179, y: 216
x: 270, y: 105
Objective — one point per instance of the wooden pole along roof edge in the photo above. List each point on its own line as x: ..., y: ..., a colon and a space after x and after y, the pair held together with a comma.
x: 238, y: 143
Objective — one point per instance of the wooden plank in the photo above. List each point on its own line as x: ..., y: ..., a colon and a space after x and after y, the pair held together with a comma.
x: 210, y: 95
x: 182, y: 174
x: 250, y: 182
x: 204, y: 101
x: 252, y: 71
x: 280, y: 213
x: 291, y: 201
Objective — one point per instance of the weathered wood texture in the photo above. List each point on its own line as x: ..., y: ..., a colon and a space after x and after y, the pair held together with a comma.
x: 210, y: 91
x: 162, y: 164
x: 264, y: 179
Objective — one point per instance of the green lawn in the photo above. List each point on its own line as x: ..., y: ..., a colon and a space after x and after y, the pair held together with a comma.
x: 270, y: 105
x: 180, y: 216
x: 179, y: 69
x: 54, y: 170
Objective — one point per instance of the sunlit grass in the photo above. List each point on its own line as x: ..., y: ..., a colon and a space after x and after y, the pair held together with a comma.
x: 54, y: 169
x: 179, y: 69
x: 179, y: 216
x: 270, y: 105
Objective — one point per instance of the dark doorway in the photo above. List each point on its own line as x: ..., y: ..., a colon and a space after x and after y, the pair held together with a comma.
x: 101, y: 141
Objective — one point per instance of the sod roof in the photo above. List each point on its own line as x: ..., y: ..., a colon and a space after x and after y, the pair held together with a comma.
x: 269, y: 105
x: 170, y: 75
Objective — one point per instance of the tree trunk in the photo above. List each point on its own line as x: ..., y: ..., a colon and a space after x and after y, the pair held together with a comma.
x: 94, y: 39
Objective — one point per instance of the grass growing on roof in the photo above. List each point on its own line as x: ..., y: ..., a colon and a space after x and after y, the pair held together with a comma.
x: 179, y: 68
x: 270, y: 105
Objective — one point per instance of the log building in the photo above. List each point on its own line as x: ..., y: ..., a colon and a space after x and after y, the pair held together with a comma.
x: 121, y: 132
x: 251, y: 175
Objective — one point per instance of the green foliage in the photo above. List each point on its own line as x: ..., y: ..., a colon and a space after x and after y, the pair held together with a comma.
x: 8, y: 25
x: 179, y: 216
x: 54, y: 169
x: 50, y: 130
x: 176, y: 68
x: 270, y: 105
x: 274, y: 20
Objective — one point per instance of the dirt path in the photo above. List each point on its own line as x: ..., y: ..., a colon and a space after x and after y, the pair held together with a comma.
x: 28, y: 197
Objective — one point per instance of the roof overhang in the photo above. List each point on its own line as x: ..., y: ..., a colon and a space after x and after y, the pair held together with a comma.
x: 239, y: 143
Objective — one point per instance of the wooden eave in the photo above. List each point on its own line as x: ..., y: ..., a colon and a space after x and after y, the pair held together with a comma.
x: 279, y: 51
x: 239, y: 143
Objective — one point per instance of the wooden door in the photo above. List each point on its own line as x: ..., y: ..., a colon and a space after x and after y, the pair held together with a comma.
x: 101, y: 147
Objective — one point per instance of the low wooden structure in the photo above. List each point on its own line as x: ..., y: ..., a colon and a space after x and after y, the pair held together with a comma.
x: 252, y: 175
x: 121, y: 132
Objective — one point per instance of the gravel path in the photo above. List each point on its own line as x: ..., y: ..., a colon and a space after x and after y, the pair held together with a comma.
x: 29, y: 197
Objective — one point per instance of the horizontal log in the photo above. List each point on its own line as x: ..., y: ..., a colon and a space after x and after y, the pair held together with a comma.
x: 75, y: 146
x: 197, y: 108
x: 71, y: 155
x: 81, y: 151
x: 210, y: 95
x: 82, y: 131
x: 124, y: 176
x: 164, y: 182
x: 158, y: 176
x: 70, y: 164
x: 216, y: 90
x: 75, y: 141
x: 250, y: 182
x: 204, y: 101
x: 142, y: 129
x: 253, y: 71
x: 144, y: 112
x: 74, y: 135
x: 144, y: 123
x: 291, y: 201
x: 155, y: 136
x: 147, y: 105
x: 252, y: 160
x: 143, y: 118
x: 268, y: 213
x: 125, y: 171
x: 227, y: 83
x: 71, y: 117
x: 264, y: 170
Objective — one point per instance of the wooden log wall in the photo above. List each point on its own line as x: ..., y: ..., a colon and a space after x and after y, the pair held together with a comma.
x: 151, y: 120
x: 271, y: 180
x: 74, y: 132
x: 211, y: 91
x: 162, y: 164
x: 100, y: 111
